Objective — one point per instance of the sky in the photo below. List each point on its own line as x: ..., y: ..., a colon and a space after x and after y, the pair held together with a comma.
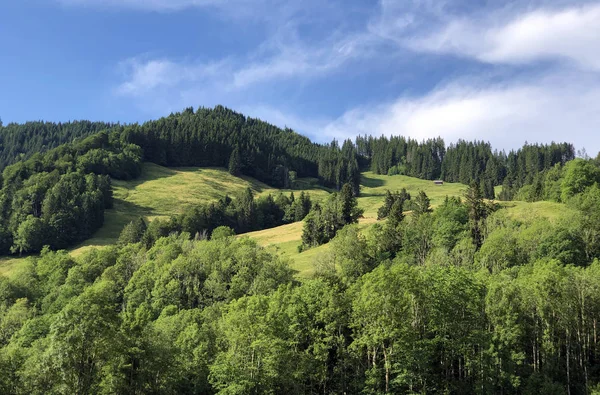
x: 507, y: 72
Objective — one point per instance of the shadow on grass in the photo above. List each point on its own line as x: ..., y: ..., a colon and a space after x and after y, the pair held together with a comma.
x: 150, y: 172
x: 371, y: 182
x: 367, y: 195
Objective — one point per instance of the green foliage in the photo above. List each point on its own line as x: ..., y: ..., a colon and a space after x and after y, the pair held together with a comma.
x: 222, y: 232
x: 133, y: 232
x: 579, y: 174
x: 389, y: 201
x: 322, y: 224
x: 457, y: 300
x: 477, y: 213
x: 242, y: 213
x: 59, y: 198
x: 21, y: 141
x: 421, y: 205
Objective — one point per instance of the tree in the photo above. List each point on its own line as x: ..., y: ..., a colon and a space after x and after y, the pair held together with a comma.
x: 85, y: 338
x: 235, y: 162
x: 477, y: 213
x: 422, y: 204
x: 384, y: 210
x: 133, y: 232
x: 349, y: 205
x: 30, y: 235
x: 222, y: 232
x: 396, y: 213
x: 579, y: 174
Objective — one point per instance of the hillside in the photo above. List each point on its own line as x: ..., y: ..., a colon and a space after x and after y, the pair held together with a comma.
x: 286, y: 239
x: 163, y: 192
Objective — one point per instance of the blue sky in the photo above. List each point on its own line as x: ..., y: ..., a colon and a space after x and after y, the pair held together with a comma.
x: 505, y: 72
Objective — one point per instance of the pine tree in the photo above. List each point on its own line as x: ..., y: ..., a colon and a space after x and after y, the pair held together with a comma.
x: 396, y: 214
x: 477, y: 213
x: 349, y: 205
x: 422, y: 204
x: 235, y: 162
x: 384, y: 210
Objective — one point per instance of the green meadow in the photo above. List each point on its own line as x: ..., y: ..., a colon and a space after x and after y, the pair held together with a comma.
x: 162, y: 192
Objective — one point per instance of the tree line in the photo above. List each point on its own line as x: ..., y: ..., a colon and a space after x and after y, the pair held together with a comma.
x: 242, y: 213
x: 465, y: 162
x: 21, y: 141
x: 224, y: 138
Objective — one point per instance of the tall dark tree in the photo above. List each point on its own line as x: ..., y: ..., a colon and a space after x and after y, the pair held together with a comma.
x: 396, y: 214
x: 477, y: 213
x: 235, y: 162
x: 349, y: 204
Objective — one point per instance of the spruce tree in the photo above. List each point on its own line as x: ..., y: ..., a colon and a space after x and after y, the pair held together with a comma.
x: 396, y: 214
x: 235, y: 162
x: 384, y: 210
x: 477, y: 213
x: 422, y: 204
x: 349, y: 205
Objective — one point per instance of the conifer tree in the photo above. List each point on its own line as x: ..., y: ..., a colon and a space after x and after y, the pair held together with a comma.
x: 396, y: 214
x: 384, y: 210
x: 477, y: 213
x: 422, y: 204
x: 235, y: 162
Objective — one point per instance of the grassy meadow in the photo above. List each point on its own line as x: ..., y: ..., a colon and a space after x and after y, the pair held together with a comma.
x: 162, y: 192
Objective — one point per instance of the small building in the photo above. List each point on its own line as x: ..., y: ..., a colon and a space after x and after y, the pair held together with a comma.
x: 438, y: 182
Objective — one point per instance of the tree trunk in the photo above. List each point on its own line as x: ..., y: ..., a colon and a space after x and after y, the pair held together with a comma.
x: 387, y: 371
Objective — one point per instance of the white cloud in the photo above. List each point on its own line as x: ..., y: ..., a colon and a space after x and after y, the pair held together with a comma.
x: 145, y: 76
x: 565, y: 34
x: 556, y: 108
x: 274, y: 61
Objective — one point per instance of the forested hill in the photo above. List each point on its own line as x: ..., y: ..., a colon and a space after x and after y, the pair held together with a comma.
x: 222, y: 137
x: 20, y: 141
x: 464, y: 297
x: 58, y: 197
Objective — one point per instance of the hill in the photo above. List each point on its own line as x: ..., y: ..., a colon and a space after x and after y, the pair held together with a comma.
x: 161, y: 192
x: 286, y: 239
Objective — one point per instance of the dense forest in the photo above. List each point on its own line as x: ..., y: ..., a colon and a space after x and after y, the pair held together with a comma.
x: 460, y: 299
x: 21, y: 141
x: 58, y: 198
x: 224, y: 138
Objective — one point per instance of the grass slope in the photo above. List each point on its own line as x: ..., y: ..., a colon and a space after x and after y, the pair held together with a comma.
x: 374, y: 187
x: 286, y: 239
x: 162, y: 192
